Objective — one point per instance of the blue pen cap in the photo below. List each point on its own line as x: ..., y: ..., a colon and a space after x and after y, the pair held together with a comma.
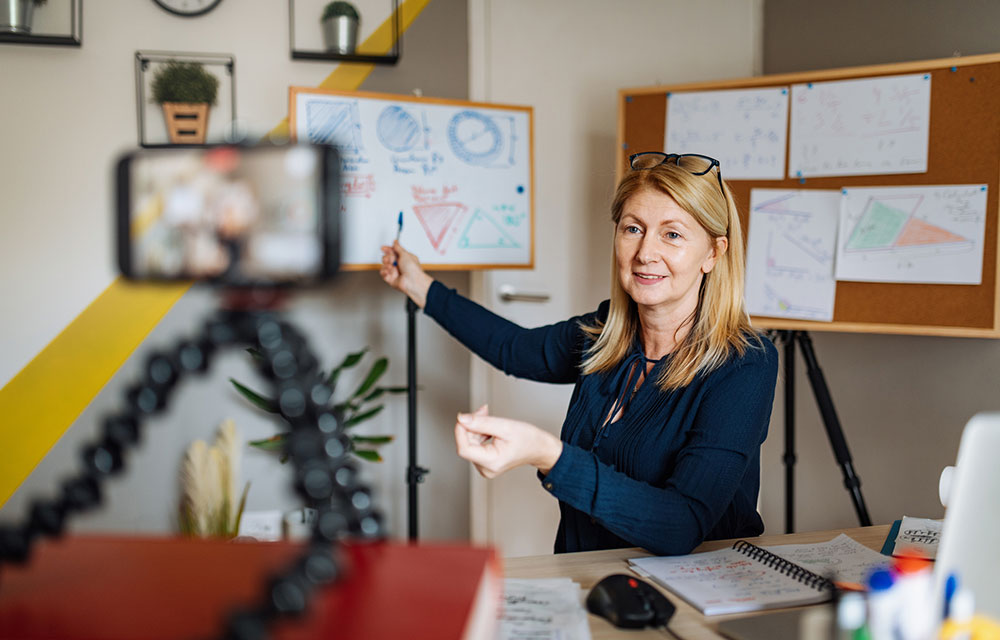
x: 880, y: 580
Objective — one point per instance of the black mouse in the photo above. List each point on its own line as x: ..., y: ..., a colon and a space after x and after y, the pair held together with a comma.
x: 629, y: 602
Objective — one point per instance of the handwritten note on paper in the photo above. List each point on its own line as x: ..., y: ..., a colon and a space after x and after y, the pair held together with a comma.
x: 790, y: 252
x: 543, y: 609
x: 932, y: 234
x: 744, y: 129
x: 918, y: 534
x: 843, y: 558
x: 860, y: 127
x: 726, y: 581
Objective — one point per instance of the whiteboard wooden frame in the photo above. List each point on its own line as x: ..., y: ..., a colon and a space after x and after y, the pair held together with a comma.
x: 625, y: 95
x: 295, y: 92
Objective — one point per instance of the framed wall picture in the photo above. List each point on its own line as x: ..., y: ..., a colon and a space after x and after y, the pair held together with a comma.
x: 158, y: 124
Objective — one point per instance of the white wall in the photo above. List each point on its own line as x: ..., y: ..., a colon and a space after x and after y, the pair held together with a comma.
x: 67, y: 113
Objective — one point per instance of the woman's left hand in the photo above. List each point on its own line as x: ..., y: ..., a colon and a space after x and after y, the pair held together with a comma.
x: 495, y: 445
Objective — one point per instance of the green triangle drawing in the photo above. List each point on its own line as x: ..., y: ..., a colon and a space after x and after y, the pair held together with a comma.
x: 483, y: 232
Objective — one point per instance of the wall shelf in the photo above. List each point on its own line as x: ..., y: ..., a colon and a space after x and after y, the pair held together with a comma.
x: 58, y: 24
x: 308, y: 46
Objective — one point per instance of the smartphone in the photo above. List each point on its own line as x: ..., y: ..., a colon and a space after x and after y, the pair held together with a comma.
x: 235, y: 215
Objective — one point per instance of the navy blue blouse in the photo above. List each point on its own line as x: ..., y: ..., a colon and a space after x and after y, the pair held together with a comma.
x: 675, y: 469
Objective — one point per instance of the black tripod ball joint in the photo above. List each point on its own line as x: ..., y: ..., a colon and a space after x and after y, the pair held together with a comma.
x: 319, y: 450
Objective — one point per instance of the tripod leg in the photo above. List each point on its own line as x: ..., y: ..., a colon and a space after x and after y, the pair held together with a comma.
x: 788, y: 339
x: 833, y: 431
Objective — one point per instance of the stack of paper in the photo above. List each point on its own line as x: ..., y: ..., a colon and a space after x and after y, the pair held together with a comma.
x: 542, y: 609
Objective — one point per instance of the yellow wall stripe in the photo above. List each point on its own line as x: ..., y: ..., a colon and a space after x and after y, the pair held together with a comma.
x: 43, y: 400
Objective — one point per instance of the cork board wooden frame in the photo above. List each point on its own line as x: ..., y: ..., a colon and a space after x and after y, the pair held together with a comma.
x: 964, y: 148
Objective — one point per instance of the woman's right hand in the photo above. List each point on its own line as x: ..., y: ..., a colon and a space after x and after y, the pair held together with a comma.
x: 401, y: 270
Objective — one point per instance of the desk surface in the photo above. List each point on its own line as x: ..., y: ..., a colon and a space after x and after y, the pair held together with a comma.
x: 589, y: 567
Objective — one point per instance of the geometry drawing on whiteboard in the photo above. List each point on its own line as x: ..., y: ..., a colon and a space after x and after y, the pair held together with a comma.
x: 358, y: 186
x: 479, y: 140
x: 483, y: 232
x: 437, y: 215
x: 398, y: 130
x: 888, y: 224
x: 335, y: 123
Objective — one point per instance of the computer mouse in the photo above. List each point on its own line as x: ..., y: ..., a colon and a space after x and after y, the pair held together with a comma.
x: 628, y: 602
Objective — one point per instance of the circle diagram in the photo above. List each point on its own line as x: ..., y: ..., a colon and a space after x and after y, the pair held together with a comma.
x: 474, y: 138
x: 397, y: 129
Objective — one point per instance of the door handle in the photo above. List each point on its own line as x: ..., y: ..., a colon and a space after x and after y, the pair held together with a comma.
x: 509, y: 294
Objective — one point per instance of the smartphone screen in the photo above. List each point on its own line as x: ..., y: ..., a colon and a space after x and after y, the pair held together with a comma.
x: 236, y: 215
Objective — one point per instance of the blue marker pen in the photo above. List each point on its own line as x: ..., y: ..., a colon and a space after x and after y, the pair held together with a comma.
x: 399, y: 231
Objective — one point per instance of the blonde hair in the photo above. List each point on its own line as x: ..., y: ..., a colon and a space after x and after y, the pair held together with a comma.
x: 720, y: 323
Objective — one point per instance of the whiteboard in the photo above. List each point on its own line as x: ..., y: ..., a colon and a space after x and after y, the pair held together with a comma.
x: 460, y: 174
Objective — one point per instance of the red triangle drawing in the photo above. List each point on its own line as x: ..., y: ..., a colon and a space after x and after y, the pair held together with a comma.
x: 437, y: 219
x: 917, y: 232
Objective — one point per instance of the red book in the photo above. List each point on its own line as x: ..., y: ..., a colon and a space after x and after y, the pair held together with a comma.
x: 104, y: 588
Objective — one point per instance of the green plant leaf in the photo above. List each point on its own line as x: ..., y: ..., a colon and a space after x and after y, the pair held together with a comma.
x: 239, y: 511
x: 373, y: 375
x: 349, y: 361
x: 378, y: 391
x: 368, y: 454
x: 274, y: 443
x: 397, y: 389
x: 255, y: 353
x: 373, y: 440
x: 375, y: 393
x: 358, y: 418
x: 261, y: 402
x: 343, y: 407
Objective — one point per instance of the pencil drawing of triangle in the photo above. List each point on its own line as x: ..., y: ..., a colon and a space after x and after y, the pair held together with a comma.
x: 436, y: 218
x: 888, y: 223
x: 483, y: 232
x: 780, y: 205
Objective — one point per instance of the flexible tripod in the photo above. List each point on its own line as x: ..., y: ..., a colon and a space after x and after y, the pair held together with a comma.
x: 324, y: 476
x: 824, y: 402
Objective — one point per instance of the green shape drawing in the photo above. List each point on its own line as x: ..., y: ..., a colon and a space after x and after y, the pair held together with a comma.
x: 483, y: 232
x: 878, y: 227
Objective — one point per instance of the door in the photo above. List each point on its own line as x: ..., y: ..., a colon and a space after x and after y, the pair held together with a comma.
x: 568, y: 61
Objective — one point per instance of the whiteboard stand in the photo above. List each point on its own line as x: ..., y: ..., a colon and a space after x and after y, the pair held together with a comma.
x: 414, y: 473
x: 830, y: 422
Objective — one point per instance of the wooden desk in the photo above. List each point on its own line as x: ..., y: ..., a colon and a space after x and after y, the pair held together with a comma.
x: 589, y: 567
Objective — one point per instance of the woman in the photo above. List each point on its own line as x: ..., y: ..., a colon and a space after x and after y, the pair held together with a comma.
x: 660, y: 447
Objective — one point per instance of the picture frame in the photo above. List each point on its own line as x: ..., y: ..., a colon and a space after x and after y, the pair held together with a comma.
x: 151, y: 126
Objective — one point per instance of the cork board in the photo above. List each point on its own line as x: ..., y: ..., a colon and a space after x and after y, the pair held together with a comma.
x: 964, y: 148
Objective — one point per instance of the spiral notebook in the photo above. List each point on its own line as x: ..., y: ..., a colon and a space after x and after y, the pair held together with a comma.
x: 746, y: 577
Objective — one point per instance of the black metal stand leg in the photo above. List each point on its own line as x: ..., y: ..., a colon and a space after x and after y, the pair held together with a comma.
x: 788, y: 339
x: 833, y: 431
x: 414, y: 473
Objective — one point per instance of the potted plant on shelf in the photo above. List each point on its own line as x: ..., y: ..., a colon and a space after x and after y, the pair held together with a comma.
x: 17, y: 15
x: 340, y: 27
x: 353, y: 410
x: 186, y: 91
